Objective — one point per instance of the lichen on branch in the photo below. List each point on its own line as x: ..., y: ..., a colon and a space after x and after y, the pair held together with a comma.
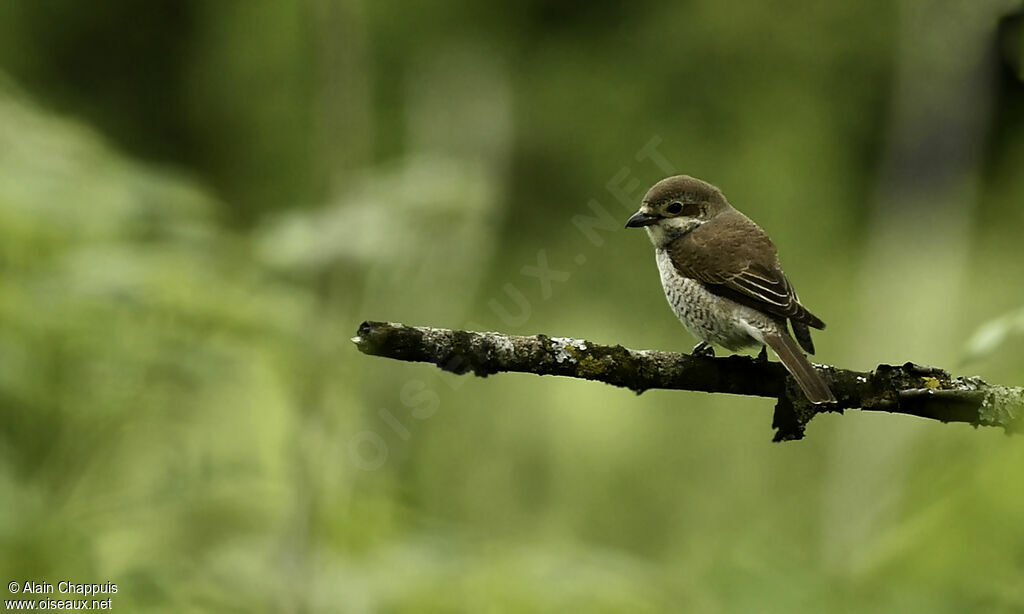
x: 910, y: 389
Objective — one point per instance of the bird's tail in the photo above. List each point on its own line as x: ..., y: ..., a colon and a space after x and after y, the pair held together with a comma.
x: 815, y: 388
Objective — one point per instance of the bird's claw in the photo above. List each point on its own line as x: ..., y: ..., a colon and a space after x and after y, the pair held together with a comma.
x: 704, y: 350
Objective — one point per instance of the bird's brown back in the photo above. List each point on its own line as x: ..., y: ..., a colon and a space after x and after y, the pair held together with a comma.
x: 733, y: 257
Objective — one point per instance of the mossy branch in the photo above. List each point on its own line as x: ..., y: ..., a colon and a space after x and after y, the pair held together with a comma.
x: 910, y: 389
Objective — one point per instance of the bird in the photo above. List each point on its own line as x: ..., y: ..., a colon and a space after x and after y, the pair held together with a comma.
x: 721, y: 275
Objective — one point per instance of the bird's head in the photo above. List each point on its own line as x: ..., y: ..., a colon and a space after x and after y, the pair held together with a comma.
x: 675, y: 206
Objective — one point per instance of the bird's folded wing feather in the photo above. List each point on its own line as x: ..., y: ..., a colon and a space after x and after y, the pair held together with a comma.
x: 737, y: 260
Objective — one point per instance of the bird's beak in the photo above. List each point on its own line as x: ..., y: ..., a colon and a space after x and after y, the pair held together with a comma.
x: 641, y: 219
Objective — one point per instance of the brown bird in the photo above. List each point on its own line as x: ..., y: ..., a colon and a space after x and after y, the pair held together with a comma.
x: 722, y: 277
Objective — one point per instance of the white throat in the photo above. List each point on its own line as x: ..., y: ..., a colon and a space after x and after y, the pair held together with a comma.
x: 670, y: 229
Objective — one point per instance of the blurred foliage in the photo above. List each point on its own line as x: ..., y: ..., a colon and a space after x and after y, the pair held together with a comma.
x: 135, y: 336
x: 199, y: 202
x: 987, y: 339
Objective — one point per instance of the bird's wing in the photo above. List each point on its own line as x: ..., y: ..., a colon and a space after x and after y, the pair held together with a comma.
x: 734, y: 258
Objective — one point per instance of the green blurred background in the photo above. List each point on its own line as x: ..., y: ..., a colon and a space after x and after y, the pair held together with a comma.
x: 200, y: 202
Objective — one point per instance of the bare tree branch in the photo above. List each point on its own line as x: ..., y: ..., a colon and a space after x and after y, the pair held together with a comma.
x: 910, y: 389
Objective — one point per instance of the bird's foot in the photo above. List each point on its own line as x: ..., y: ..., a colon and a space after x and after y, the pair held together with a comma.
x: 762, y: 356
x: 704, y: 350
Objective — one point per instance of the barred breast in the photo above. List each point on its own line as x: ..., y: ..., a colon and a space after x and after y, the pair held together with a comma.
x: 711, y: 318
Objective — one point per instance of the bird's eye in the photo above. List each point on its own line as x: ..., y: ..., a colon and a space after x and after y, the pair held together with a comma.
x: 674, y: 208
